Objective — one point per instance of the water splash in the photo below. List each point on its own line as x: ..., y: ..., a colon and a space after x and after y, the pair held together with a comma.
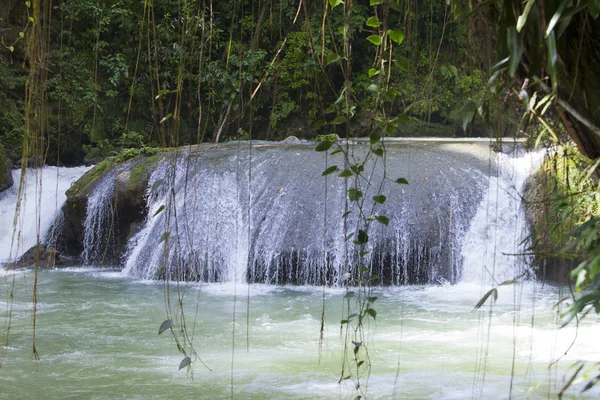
x: 212, y: 220
x: 43, y: 196
x: 497, y: 236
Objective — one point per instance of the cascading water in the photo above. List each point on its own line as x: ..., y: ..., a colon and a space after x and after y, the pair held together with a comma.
x: 230, y: 215
x: 99, y: 222
x: 497, y: 236
x: 42, y: 197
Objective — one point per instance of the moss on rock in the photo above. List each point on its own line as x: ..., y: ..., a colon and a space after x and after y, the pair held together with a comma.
x: 6, y: 179
x: 558, y: 200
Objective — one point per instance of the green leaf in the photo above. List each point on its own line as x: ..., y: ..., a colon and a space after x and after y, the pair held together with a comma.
x: 28, y: 4
x: 402, y: 181
x: 160, y: 209
x: 333, y: 153
x: 362, y: 237
x: 335, y: 3
x: 157, y: 184
x: 378, y: 152
x: 373, y: 72
x: 481, y: 302
x: 185, y: 362
x: 373, y: 22
x: 346, y: 173
x: 372, y: 299
x: 372, y: 88
x: 22, y: 34
x: 372, y: 312
x: 376, y: 2
x: 594, y: 8
x: 11, y: 48
x: 344, y: 321
x: 346, y: 214
x: 165, y: 325
x: 374, y: 137
x: 510, y: 282
x: 402, y: 118
x: 396, y: 35
x: 340, y: 119
x: 515, y: 45
x: 360, y: 363
x: 523, y: 18
x: 375, y: 39
x: 164, y: 237
x: 330, y: 170
x: 332, y: 58
x: 401, y: 63
x: 32, y: 20
x: 324, y: 145
x: 349, y: 295
x: 380, y: 199
x: 383, y: 219
x: 354, y: 194
x: 318, y: 124
x: 556, y: 17
x: 166, y: 118
x: 552, y: 57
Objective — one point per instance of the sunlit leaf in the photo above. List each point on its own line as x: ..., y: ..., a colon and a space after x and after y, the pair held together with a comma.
x: 375, y: 39
x: 335, y: 3
x: 373, y: 22
x: 373, y: 72
x: 396, y: 35
x: 401, y: 181
x: 556, y: 17
x: 523, y: 17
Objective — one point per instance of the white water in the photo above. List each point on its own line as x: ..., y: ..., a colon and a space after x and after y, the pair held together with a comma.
x: 496, y: 239
x: 43, y: 196
x: 97, y: 330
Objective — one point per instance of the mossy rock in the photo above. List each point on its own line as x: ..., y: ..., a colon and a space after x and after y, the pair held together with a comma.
x: 554, y: 207
x: 130, y: 179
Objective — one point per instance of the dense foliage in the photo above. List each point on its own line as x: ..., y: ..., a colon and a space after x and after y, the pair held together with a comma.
x: 162, y: 73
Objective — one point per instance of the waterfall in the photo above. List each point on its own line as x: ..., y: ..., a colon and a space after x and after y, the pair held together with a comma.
x: 43, y: 195
x: 231, y: 214
x: 99, y: 222
x: 497, y: 236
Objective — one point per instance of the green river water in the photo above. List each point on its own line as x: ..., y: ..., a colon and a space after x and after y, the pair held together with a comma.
x: 97, y: 337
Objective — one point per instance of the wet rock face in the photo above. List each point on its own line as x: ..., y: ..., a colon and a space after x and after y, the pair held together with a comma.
x: 43, y: 255
x: 125, y: 184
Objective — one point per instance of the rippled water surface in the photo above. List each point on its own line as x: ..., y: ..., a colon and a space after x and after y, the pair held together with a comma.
x: 97, y: 336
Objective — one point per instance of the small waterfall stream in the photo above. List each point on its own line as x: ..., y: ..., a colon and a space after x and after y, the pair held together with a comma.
x: 43, y: 195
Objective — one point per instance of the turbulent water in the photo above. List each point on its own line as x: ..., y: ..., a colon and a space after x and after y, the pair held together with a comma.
x: 269, y: 216
x: 97, y: 329
x: 42, y: 197
x: 97, y: 335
